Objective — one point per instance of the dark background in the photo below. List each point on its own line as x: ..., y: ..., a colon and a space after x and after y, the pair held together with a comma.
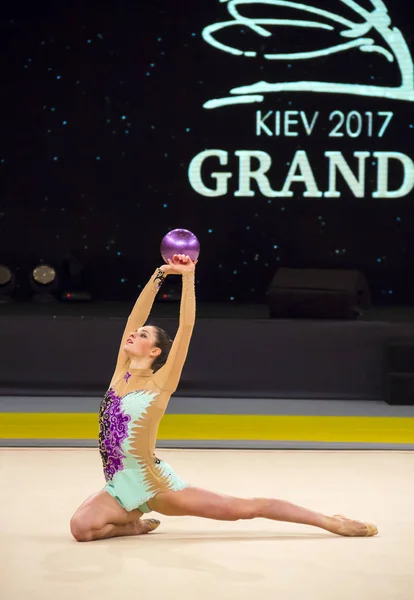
x: 102, y: 112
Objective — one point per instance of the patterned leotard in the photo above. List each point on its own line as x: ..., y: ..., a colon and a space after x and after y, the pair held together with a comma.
x: 134, y: 405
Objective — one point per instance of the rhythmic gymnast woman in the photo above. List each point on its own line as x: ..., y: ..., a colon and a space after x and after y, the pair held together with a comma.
x: 147, y: 373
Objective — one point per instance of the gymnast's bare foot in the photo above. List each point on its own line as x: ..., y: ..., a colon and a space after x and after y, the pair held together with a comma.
x: 349, y: 528
x: 143, y: 526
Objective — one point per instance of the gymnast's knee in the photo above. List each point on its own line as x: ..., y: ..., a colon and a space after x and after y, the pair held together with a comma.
x: 80, y: 529
x: 243, y: 510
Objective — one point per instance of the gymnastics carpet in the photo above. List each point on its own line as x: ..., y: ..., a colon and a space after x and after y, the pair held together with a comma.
x: 190, y: 557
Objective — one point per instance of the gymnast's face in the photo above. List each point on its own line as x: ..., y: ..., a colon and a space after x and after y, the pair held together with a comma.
x: 142, y: 343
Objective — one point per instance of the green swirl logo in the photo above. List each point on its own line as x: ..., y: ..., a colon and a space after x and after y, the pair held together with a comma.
x: 355, y: 34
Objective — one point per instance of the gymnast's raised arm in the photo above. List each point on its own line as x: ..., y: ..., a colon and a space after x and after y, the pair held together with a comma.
x: 140, y: 312
x: 168, y: 376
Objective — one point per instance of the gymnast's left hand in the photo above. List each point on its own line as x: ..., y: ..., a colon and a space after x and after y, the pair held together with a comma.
x: 180, y: 264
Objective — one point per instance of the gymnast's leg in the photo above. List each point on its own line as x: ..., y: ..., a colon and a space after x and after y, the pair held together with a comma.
x: 101, y: 517
x: 201, y: 503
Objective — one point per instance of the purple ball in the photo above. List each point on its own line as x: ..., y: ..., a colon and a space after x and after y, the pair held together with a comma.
x: 180, y: 241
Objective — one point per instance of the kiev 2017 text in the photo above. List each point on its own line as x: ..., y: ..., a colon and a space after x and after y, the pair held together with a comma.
x: 336, y: 124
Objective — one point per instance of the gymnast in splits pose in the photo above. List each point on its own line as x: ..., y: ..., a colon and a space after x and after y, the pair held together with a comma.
x: 147, y: 373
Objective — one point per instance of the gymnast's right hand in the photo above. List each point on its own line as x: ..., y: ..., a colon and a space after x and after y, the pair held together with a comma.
x: 179, y: 265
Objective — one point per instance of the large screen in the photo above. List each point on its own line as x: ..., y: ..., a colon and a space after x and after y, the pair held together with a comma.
x: 279, y: 132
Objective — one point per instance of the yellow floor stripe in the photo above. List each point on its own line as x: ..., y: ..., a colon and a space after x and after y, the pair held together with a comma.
x: 381, y: 430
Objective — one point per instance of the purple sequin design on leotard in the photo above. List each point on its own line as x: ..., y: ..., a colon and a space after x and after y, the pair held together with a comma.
x: 113, y: 430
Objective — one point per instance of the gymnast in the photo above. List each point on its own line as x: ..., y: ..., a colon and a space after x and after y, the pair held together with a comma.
x: 147, y: 373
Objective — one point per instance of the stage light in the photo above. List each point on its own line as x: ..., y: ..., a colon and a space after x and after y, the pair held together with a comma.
x: 44, y: 283
x: 44, y: 275
x: 7, y: 284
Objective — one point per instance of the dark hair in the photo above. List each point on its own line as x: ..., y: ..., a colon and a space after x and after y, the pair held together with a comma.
x: 164, y: 342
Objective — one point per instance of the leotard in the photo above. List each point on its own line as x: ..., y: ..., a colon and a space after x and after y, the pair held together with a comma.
x: 134, y: 404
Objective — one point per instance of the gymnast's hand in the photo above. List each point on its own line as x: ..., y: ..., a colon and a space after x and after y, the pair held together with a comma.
x: 179, y: 265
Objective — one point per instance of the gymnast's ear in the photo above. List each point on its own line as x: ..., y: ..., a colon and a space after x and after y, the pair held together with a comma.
x: 155, y: 352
